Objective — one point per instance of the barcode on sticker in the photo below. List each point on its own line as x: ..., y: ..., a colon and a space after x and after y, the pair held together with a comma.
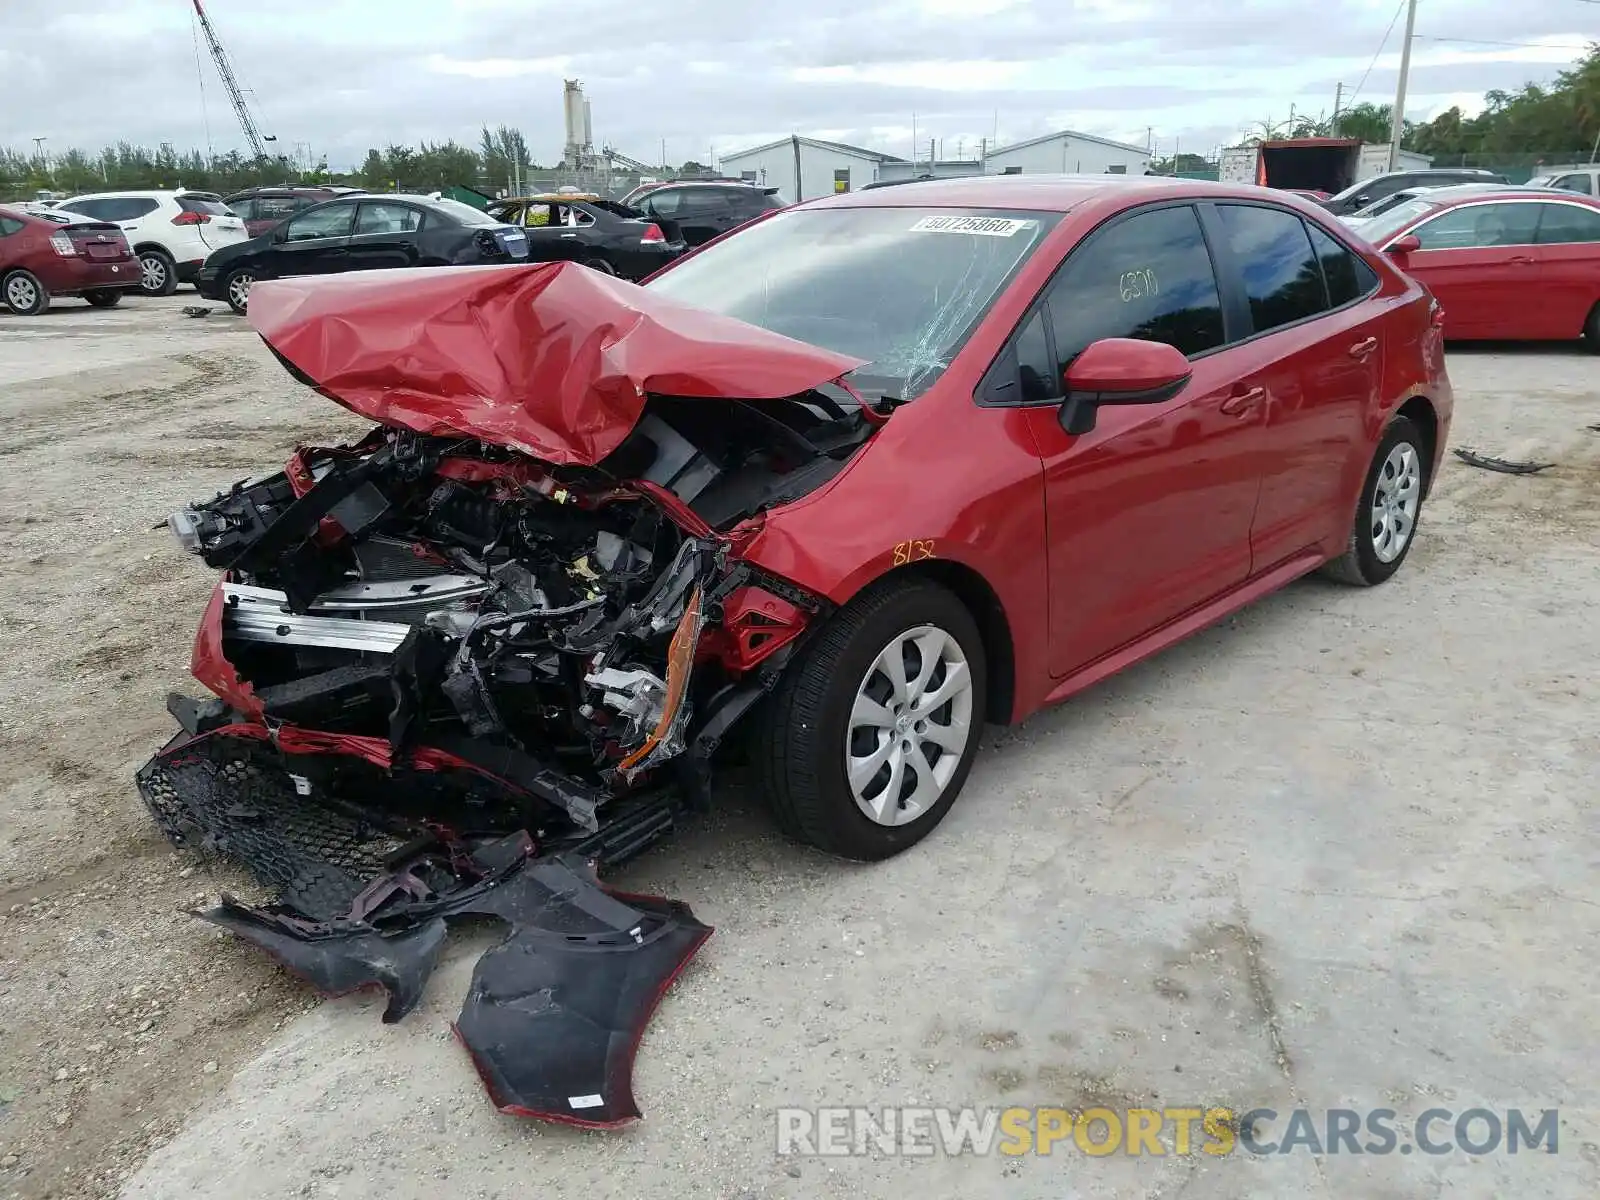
x: 987, y: 226
x: 585, y: 1101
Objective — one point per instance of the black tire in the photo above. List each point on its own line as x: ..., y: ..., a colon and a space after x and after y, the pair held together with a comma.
x: 229, y: 291
x: 599, y: 264
x: 1361, y: 564
x: 104, y: 297
x: 158, y: 274
x: 23, y: 294
x: 800, y: 742
x: 1591, y: 330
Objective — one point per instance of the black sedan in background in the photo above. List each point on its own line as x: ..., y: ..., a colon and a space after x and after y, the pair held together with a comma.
x: 602, y: 234
x: 362, y: 233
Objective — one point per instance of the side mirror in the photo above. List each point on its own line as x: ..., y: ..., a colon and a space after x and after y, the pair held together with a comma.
x: 1361, y: 201
x: 1400, y: 248
x: 1120, y: 371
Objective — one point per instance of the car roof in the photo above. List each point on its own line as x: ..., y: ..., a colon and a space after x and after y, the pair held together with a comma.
x: 1460, y: 195
x: 144, y: 194
x: 1045, y: 193
x: 547, y: 198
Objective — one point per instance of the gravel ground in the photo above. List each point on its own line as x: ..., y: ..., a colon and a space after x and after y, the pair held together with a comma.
x: 1336, y: 852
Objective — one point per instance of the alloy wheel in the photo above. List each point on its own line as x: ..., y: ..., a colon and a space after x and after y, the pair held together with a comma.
x: 239, y: 289
x: 1396, y: 495
x: 153, y: 273
x: 22, y: 293
x: 909, y: 726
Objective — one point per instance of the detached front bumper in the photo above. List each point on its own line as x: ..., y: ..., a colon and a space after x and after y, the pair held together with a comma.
x: 364, y: 884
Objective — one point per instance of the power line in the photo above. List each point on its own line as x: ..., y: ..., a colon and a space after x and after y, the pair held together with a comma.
x: 1423, y: 37
x: 1398, y: 8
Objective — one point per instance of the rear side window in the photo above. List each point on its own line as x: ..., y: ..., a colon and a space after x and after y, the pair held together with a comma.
x: 130, y: 208
x: 1347, y: 275
x: 212, y: 208
x: 1561, y: 224
x: 1576, y: 183
x: 388, y: 218
x: 1148, y: 276
x: 1273, y: 254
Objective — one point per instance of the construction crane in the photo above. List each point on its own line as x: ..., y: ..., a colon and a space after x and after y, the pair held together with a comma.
x: 252, y: 135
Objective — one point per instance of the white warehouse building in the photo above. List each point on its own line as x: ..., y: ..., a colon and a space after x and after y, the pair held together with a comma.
x: 803, y: 168
x: 1068, y: 152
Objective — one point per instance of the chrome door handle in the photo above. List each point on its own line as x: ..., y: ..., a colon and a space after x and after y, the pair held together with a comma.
x: 1362, y: 349
x: 1242, y: 402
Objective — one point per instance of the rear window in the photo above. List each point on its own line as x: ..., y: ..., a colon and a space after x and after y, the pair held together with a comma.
x: 1395, y: 220
x: 210, y: 207
x: 465, y: 214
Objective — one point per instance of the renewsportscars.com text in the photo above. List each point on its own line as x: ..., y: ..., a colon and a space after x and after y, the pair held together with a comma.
x: 1156, y: 1132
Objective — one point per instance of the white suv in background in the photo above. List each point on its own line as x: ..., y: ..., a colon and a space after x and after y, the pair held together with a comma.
x: 170, y: 232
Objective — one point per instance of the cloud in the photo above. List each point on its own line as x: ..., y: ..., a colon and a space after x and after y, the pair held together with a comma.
x: 339, y: 76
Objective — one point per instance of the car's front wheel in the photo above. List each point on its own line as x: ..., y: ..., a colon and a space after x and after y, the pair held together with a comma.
x: 236, y: 287
x: 1387, y: 513
x: 158, y: 275
x: 24, y: 294
x: 868, y: 739
x: 104, y: 297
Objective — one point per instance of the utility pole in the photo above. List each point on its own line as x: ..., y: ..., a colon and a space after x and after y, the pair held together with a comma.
x: 1397, y: 125
x: 1338, y: 102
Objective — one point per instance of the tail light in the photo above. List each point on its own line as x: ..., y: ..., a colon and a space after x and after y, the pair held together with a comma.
x: 652, y: 233
x: 191, y: 218
x: 62, y: 245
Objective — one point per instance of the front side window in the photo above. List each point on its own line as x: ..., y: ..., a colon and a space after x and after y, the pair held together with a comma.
x: 9, y: 226
x: 901, y: 288
x: 1562, y: 224
x: 333, y: 221
x: 1272, y: 252
x: 1149, y: 277
x: 1583, y: 184
x: 664, y: 203
x: 387, y: 218
x: 1479, y: 226
x: 245, y: 210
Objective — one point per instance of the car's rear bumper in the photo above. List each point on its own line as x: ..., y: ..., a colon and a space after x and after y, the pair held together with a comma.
x: 646, y: 260
x: 68, y: 276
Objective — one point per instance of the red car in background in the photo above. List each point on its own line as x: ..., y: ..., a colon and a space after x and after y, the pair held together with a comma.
x: 56, y: 255
x: 1516, y: 264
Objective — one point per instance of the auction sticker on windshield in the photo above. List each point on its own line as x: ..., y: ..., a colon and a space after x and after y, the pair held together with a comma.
x: 987, y: 226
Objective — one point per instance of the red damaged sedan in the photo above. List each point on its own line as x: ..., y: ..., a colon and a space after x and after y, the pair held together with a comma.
x: 42, y: 257
x: 841, y: 486
x: 1513, y: 264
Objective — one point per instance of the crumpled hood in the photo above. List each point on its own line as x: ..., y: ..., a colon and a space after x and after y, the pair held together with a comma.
x: 554, y: 360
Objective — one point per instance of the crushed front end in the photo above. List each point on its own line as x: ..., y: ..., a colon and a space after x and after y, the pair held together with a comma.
x: 463, y: 664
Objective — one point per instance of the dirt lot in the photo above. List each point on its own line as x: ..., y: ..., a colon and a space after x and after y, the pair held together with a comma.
x: 1336, y: 852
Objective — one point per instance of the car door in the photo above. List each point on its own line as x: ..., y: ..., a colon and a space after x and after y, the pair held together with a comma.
x: 1148, y: 514
x: 1567, y: 245
x: 1314, y: 352
x: 314, y: 243
x: 553, y: 233
x: 1478, y: 260
x: 385, y: 235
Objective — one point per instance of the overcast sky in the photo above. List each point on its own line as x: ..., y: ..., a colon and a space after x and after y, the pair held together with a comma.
x: 338, y: 76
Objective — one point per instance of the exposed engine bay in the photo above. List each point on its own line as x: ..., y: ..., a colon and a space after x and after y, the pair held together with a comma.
x: 452, y: 678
